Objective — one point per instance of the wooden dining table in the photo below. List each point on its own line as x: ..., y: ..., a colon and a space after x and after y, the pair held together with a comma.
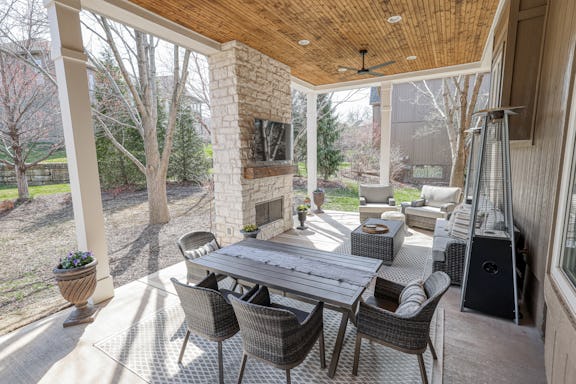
x: 336, y: 279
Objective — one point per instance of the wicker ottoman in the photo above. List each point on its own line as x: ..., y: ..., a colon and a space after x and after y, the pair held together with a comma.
x: 384, y: 247
x: 394, y: 216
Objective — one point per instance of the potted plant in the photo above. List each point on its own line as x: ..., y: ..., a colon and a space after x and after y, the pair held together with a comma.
x: 250, y: 230
x: 302, y: 212
x: 76, y: 278
x: 318, y: 199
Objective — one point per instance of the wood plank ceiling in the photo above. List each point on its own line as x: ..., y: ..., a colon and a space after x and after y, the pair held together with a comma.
x: 439, y: 32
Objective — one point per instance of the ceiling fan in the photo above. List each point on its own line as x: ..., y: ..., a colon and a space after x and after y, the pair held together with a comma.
x: 369, y: 70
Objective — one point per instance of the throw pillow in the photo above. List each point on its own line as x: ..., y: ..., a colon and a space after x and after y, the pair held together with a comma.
x: 411, y: 288
x: 411, y: 299
x: 419, y: 203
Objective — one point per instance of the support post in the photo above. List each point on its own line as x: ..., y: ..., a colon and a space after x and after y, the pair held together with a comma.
x: 72, y: 77
x: 312, y: 143
x: 385, y: 131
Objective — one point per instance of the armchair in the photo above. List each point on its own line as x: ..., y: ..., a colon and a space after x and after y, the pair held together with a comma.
x: 196, y: 244
x: 279, y: 335
x: 405, y: 327
x: 374, y: 200
x: 434, y: 203
x: 208, y: 313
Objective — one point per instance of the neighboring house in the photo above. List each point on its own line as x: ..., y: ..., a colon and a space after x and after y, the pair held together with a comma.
x: 422, y: 142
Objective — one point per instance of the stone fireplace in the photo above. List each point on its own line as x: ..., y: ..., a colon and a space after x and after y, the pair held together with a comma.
x: 246, y: 85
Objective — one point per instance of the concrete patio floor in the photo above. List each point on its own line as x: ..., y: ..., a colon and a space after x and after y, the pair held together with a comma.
x: 477, y: 348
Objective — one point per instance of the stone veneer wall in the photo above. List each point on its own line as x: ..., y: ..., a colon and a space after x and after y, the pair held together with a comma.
x: 245, y: 84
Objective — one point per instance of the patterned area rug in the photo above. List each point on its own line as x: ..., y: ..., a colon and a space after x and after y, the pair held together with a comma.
x: 412, y: 262
x: 150, y: 349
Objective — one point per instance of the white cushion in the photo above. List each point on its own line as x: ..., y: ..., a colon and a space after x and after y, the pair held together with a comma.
x: 376, y: 208
x: 411, y: 298
x: 425, y: 211
x: 438, y: 196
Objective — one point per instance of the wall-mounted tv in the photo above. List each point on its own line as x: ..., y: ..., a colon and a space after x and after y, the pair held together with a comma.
x: 272, y: 141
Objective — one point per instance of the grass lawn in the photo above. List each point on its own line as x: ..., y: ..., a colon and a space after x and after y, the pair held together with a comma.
x: 11, y: 192
x: 346, y: 199
x: 39, y: 150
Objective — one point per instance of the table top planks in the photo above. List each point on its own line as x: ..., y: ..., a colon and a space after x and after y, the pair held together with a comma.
x: 331, y: 291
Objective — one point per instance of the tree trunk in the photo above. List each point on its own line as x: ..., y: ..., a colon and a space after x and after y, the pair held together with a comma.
x: 157, y: 201
x: 458, y: 167
x: 21, y: 181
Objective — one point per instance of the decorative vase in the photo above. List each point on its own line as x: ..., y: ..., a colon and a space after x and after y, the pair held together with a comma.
x: 318, y: 200
x: 302, y: 219
x: 253, y: 234
x: 77, y: 285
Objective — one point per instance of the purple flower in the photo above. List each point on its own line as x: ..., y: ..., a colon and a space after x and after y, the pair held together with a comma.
x: 76, y: 261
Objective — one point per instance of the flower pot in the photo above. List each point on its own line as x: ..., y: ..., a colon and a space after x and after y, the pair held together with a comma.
x: 253, y: 234
x: 302, y: 219
x: 77, y: 285
x: 318, y: 200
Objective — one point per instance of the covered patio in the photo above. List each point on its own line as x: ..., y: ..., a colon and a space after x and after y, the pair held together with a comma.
x: 467, y: 343
x: 257, y: 54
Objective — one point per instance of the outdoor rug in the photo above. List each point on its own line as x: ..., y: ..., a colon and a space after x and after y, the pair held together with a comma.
x: 150, y: 349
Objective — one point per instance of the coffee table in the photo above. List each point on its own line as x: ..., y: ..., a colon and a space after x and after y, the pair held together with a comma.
x: 384, y: 247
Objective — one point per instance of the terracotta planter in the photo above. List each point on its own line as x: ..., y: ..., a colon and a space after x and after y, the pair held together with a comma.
x: 318, y: 200
x: 302, y: 219
x: 77, y: 285
x: 253, y: 234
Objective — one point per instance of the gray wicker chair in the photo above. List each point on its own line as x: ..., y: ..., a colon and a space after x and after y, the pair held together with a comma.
x: 409, y: 334
x: 208, y: 313
x: 279, y: 335
x: 190, y: 242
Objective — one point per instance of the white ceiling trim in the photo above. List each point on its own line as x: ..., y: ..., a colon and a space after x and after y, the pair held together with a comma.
x: 137, y: 17
x: 428, y: 74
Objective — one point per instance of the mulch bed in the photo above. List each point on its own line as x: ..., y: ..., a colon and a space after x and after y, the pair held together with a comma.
x: 35, y: 234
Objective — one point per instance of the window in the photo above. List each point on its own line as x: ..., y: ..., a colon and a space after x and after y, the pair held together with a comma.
x: 427, y: 171
x: 568, y: 251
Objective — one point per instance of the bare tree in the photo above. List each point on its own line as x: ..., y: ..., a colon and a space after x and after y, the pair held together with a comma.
x: 135, y: 55
x: 454, y: 104
x: 30, y: 128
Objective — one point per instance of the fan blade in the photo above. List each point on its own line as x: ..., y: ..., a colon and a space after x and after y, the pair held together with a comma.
x: 375, y: 73
x: 381, y: 65
x: 349, y: 68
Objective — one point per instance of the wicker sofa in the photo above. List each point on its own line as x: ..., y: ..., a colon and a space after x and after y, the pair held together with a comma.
x: 434, y: 203
x: 448, y: 251
x: 374, y: 200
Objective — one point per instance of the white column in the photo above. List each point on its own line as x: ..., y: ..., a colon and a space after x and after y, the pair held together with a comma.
x: 70, y: 63
x: 385, y: 131
x: 312, y: 142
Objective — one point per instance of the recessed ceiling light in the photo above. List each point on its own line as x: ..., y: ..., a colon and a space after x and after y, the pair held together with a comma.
x: 342, y: 69
x: 394, y: 19
x: 411, y: 58
x: 304, y: 42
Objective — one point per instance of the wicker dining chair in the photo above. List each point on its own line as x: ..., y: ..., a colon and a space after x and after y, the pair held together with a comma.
x: 188, y: 244
x: 279, y: 335
x: 208, y: 313
x: 409, y: 333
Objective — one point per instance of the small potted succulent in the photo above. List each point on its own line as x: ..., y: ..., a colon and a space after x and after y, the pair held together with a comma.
x: 250, y: 230
x: 318, y: 199
x: 302, y: 212
x: 76, y: 278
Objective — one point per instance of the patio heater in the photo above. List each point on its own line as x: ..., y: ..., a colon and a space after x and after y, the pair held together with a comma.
x: 489, y: 284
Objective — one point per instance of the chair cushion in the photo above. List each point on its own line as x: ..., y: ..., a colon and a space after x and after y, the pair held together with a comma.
x: 376, y: 208
x: 300, y: 315
x: 376, y: 193
x: 411, y: 298
x: 425, y: 211
x: 210, y: 282
x: 438, y: 196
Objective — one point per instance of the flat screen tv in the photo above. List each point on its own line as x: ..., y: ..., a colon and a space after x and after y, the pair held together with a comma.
x: 272, y: 141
